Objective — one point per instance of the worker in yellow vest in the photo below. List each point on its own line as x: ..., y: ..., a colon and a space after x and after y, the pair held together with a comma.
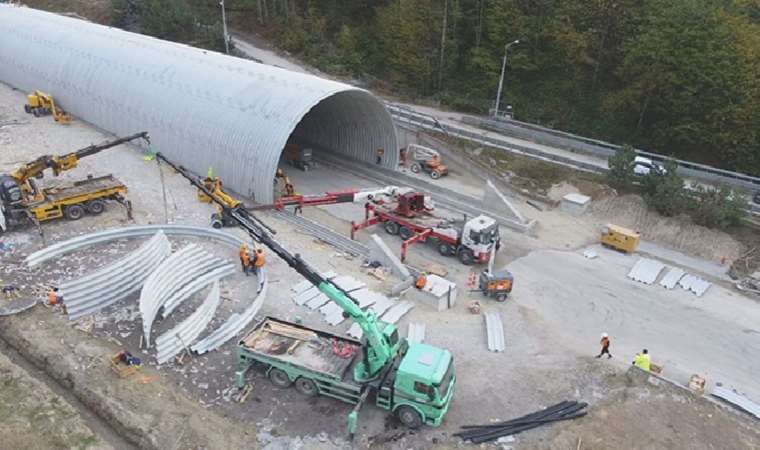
x: 244, y: 259
x: 642, y: 360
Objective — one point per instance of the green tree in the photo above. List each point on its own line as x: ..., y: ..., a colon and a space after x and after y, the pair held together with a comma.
x: 621, y: 164
x: 664, y: 191
x: 719, y: 207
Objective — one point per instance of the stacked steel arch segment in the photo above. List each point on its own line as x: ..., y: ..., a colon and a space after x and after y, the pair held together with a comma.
x: 184, y: 273
x: 181, y: 336
x: 80, y: 242
x: 116, y: 281
x: 228, y: 113
x: 494, y: 331
x: 235, y: 324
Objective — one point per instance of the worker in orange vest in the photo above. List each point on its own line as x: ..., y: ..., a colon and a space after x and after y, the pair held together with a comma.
x: 244, y: 259
x: 54, y: 297
x: 258, y: 261
x: 421, y: 281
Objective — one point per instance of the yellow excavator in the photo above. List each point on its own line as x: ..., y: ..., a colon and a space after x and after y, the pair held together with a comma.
x: 23, y: 202
x: 41, y: 104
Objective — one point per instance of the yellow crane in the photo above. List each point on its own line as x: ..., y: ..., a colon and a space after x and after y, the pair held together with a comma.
x: 22, y: 201
x: 40, y: 104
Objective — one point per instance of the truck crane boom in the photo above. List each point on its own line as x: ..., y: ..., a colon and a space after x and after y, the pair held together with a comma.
x: 382, y: 345
x: 62, y: 163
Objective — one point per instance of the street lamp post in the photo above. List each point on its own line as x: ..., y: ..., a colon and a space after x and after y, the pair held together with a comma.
x: 501, y: 79
x: 224, y: 29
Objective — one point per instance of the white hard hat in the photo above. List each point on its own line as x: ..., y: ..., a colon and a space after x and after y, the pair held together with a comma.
x: 604, y: 335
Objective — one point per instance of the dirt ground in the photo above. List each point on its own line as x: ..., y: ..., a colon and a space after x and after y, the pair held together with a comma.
x: 191, y: 405
x: 33, y: 416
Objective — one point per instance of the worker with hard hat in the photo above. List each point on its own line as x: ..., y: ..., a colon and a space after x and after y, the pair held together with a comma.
x: 421, y: 281
x: 642, y: 360
x: 258, y: 261
x: 244, y: 258
x: 605, y: 343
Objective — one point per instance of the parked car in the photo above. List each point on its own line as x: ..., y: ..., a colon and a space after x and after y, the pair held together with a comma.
x: 756, y: 197
x: 644, y: 166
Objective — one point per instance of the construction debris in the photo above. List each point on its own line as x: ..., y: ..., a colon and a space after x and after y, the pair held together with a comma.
x: 566, y: 410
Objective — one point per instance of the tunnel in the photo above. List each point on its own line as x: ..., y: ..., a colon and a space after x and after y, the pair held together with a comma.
x: 202, y: 109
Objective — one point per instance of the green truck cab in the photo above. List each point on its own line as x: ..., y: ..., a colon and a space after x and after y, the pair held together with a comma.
x: 417, y: 386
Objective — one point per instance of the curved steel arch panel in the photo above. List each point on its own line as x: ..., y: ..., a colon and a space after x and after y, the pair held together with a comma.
x: 202, y: 108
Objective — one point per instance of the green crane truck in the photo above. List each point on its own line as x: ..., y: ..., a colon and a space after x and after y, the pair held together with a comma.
x: 413, y: 381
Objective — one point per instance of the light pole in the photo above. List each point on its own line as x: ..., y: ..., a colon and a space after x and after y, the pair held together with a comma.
x: 224, y: 29
x: 501, y: 79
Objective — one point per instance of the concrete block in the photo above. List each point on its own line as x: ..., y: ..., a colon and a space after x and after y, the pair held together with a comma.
x: 575, y: 204
x: 439, y: 293
x: 381, y: 253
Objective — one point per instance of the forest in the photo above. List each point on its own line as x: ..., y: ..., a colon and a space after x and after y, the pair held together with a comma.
x: 679, y: 77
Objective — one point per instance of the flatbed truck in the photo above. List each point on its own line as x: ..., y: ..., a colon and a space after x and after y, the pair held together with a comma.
x: 318, y: 362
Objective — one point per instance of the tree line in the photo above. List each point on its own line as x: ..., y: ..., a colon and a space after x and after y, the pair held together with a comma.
x: 679, y: 77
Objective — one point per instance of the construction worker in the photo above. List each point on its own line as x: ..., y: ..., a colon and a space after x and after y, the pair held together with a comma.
x: 421, y: 281
x: 605, y: 342
x: 244, y: 259
x: 258, y: 262
x: 380, y: 153
x: 54, y: 297
x: 642, y: 360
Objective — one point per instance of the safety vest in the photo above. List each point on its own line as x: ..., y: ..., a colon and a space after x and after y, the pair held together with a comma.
x: 259, y: 259
x: 642, y: 361
x: 421, y: 282
x: 243, y: 252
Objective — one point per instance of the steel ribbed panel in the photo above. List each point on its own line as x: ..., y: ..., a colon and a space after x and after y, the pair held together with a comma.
x: 202, y: 108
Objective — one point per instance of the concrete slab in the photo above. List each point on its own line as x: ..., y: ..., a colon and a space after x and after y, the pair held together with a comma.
x: 397, y: 311
x: 439, y: 293
x: 381, y: 305
x: 305, y: 296
x: 365, y: 297
x: 646, y: 270
x: 347, y: 283
x: 672, y: 277
x: 415, y: 334
x: 333, y: 313
x: 575, y: 204
x: 694, y: 284
x: 317, y: 301
x: 301, y: 287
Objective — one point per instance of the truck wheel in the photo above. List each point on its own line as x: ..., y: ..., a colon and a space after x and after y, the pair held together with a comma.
x: 36, y: 112
x: 405, y: 233
x: 409, y: 416
x: 216, y: 221
x: 415, y: 168
x: 306, y: 387
x: 391, y: 227
x: 73, y: 212
x: 445, y: 249
x: 27, y: 109
x: 466, y: 257
x: 96, y: 207
x: 279, y: 378
x: 434, y: 174
x: 501, y: 298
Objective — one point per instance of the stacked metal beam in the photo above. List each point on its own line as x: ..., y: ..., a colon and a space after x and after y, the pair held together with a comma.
x: 116, y: 281
x: 181, y: 275
x: 235, y: 324
x: 87, y: 240
x: 416, y: 333
x: 181, y: 336
x: 494, y: 332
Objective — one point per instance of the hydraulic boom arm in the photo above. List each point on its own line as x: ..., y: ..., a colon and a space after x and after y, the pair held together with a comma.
x: 379, y: 351
x: 62, y: 163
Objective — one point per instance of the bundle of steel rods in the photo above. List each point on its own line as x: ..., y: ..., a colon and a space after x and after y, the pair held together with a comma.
x: 561, y: 411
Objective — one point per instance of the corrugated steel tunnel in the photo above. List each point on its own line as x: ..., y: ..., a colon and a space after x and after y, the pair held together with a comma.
x: 202, y: 108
